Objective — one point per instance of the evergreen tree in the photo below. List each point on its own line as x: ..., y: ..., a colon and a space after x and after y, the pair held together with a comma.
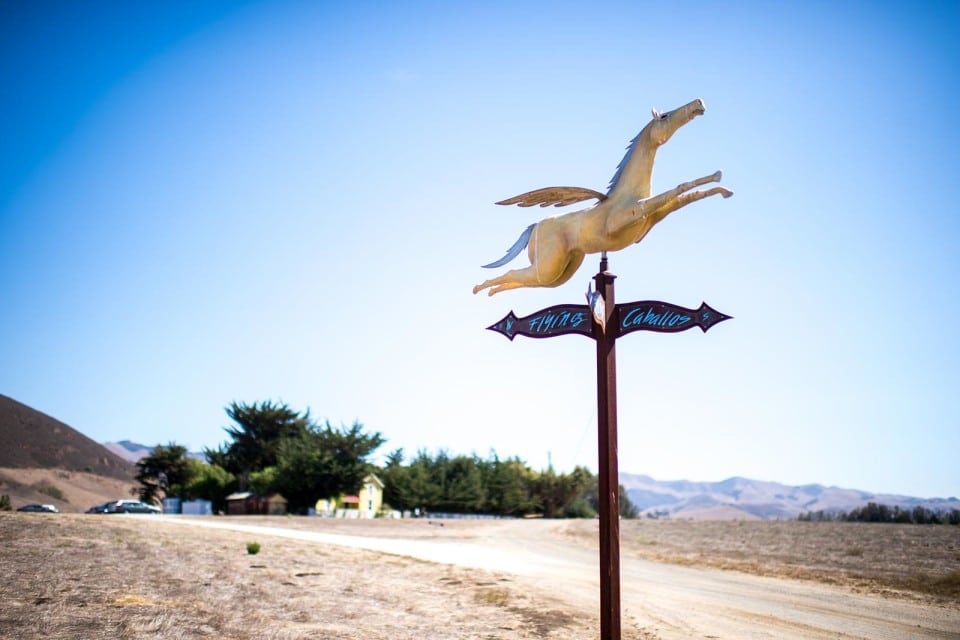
x: 163, y: 473
x: 256, y: 437
x: 322, y: 463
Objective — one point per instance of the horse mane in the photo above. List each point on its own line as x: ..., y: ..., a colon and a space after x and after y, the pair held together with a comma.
x: 623, y: 164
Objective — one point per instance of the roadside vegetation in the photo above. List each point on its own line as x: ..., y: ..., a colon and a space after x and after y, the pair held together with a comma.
x: 873, y: 512
x: 274, y: 449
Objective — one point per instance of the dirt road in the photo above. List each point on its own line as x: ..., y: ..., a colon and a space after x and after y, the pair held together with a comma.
x: 659, y: 600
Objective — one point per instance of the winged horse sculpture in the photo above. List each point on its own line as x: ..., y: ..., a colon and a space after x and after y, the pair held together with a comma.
x: 557, y: 245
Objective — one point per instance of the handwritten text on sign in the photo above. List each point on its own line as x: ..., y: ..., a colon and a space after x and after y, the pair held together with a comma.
x: 649, y: 315
x: 652, y: 315
x: 552, y: 321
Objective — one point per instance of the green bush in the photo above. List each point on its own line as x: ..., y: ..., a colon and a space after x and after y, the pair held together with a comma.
x: 53, y: 492
x: 253, y: 548
x: 579, y: 508
x: 5, y: 503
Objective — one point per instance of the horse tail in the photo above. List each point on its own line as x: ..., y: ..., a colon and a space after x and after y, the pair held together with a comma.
x: 515, y: 250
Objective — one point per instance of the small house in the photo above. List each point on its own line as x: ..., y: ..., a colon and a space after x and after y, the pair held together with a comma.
x: 247, y: 504
x: 371, y: 497
x: 366, y: 504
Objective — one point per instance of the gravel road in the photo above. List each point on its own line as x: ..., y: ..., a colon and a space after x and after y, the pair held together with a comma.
x: 664, y: 601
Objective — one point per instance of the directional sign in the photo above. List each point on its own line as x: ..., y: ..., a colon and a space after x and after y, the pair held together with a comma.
x: 605, y: 321
x: 663, y: 317
x: 648, y: 315
x: 552, y: 321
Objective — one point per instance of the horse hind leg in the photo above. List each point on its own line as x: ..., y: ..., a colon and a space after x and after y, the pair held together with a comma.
x: 513, y: 279
x: 550, y: 273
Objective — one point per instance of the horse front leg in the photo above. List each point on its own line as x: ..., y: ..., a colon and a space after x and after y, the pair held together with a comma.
x: 684, y: 199
x: 641, y: 214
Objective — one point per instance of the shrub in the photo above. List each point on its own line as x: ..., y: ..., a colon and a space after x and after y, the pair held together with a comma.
x: 253, y: 548
x: 579, y: 508
x: 52, y: 491
x: 5, y: 503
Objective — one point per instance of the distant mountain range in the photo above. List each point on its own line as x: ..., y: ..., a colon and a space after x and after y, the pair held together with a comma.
x: 133, y: 451
x: 742, y: 498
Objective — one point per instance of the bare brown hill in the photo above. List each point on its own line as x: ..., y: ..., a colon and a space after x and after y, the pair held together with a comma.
x: 31, y: 439
x: 68, y: 491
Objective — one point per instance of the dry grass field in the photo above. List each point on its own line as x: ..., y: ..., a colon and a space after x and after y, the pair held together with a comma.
x: 908, y: 561
x: 99, y: 577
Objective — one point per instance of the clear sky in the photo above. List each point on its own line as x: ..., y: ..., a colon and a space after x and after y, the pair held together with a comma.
x: 211, y: 202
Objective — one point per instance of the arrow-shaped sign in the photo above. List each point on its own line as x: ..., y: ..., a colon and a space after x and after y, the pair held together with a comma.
x: 552, y: 321
x: 663, y: 317
x: 648, y: 315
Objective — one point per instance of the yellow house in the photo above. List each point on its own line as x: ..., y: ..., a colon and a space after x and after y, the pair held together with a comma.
x: 371, y: 497
x: 367, y: 504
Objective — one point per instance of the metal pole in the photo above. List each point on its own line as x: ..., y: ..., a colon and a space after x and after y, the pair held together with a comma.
x: 608, y: 482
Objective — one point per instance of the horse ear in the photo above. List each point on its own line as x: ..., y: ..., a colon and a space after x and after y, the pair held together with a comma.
x: 656, y: 114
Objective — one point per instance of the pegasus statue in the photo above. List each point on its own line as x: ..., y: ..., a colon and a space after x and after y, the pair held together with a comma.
x: 557, y: 245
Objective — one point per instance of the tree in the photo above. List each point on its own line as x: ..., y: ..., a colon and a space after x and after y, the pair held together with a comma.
x: 256, y: 437
x: 162, y: 473
x: 209, y: 482
x: 323, y: 462
x: 557, y: 492
x: 510, y: 485
x: 464, y: 487
x: 403, y: 488
x: 628, y: 510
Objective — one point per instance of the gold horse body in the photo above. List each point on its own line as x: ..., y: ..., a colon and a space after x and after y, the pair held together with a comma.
x: 557, y: 245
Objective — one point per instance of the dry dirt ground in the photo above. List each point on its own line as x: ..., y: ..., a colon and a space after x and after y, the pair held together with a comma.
x: 130, y: 577
x: 104, y: 577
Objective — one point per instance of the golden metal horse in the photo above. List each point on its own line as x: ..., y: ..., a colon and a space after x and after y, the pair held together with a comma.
x: 623, y: 216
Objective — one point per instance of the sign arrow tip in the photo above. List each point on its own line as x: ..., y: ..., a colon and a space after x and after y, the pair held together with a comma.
x: 506, y: 326
x: 707, y: 316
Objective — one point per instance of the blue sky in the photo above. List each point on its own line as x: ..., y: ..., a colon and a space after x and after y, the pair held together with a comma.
x: 209, y: 202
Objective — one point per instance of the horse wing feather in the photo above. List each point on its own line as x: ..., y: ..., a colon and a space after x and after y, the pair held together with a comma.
x: 556, y: 196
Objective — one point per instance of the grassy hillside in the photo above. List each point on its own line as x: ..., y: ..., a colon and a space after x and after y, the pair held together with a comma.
x: 30, y: 439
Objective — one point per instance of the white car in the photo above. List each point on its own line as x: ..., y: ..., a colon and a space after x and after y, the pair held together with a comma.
x: 130, y: 506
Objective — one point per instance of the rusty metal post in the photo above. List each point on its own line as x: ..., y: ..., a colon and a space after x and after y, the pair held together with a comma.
x: 608, y: 323
x: 608, y: 490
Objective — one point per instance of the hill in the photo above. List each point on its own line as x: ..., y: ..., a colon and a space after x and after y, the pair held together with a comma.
x: 44, y: 460
x: 30, y: 439
x: 745, y: 499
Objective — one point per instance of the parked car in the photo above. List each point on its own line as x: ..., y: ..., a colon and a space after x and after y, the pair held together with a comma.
x: 130, y: 506
x: 124, y: 506
x: 39, y: 508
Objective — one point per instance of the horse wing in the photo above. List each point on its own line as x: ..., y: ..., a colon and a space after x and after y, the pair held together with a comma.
x: 556, y: 196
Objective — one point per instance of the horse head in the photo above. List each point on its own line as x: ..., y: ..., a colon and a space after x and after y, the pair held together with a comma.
x: 632, y: 178
x: 663, y: 125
